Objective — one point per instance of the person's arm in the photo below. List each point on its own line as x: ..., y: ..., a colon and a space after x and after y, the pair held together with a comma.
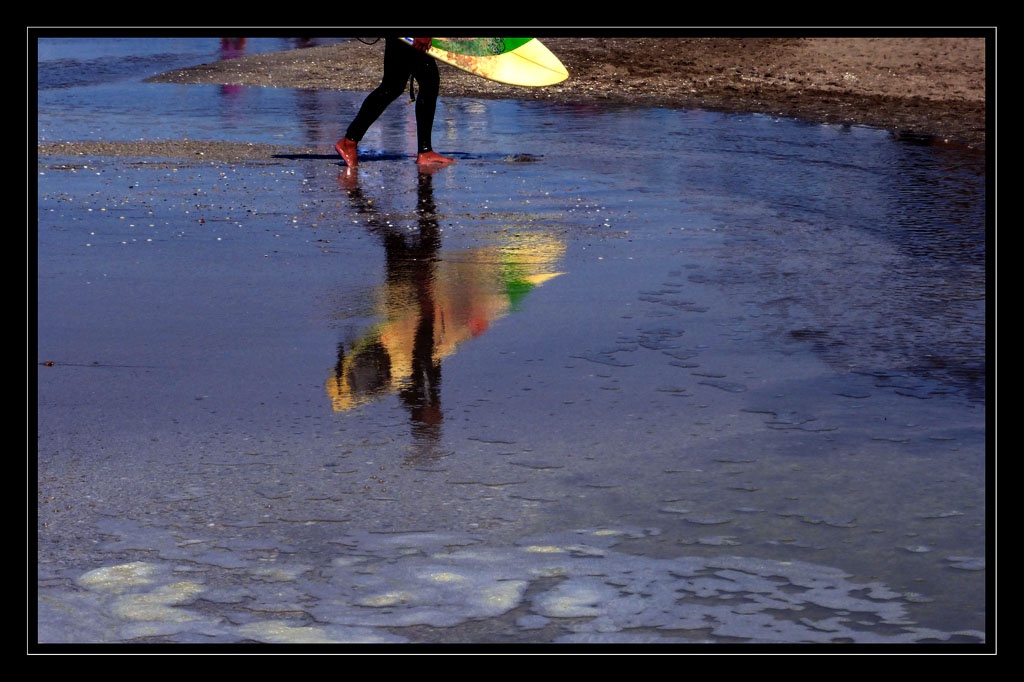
x: 421, y: 44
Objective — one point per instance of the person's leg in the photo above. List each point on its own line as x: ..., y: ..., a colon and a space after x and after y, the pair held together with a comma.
x: 426, y: 74
x: 398, y: 65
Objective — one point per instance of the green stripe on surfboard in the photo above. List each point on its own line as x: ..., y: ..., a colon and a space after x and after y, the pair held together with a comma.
x: 479, y: 47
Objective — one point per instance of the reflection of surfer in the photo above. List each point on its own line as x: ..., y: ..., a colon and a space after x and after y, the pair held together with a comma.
x: 403, y: 351
x: 401, y: 62
x: 428, y: 306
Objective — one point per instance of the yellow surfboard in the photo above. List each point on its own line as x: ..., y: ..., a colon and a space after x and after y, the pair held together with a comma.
x: 515, y: 61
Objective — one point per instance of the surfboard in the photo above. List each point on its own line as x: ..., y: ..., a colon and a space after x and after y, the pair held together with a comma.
x: 514, y: 61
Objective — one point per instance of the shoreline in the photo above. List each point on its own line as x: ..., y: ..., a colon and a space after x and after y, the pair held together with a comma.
x: 929, y: 90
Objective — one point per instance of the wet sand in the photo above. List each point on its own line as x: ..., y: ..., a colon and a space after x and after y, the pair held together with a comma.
x: 929, y: 88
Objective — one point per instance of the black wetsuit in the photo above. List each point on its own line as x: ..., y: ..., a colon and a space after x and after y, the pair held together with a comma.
x: 402, y: 61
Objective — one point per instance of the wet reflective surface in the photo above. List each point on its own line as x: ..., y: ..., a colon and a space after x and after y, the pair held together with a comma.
x: 616, y: 376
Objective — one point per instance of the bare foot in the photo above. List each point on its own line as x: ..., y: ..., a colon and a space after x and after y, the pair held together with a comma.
x: 432, y: 157
x: 346, y: 149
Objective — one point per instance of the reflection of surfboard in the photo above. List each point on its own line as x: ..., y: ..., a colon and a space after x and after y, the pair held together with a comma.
x: 470, y: 291
x: 516, y: 61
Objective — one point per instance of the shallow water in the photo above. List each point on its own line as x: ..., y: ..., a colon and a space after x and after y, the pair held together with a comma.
x: 724, y: 385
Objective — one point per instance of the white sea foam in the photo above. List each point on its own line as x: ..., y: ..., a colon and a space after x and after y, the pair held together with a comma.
x: 574, y: 582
